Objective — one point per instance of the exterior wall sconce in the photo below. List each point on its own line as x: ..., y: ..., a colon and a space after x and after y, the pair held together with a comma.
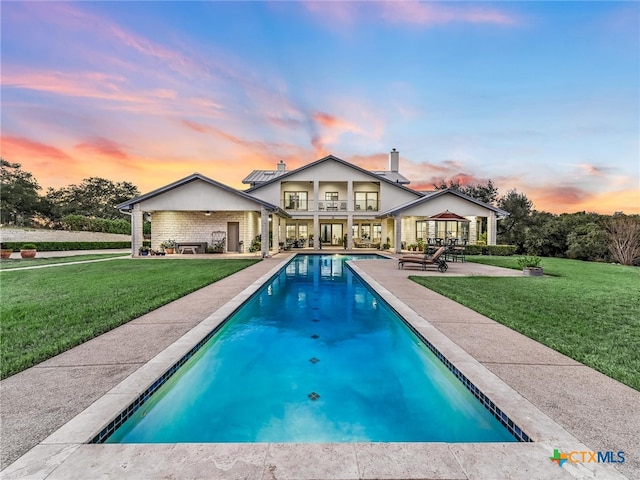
x: 207, y: 213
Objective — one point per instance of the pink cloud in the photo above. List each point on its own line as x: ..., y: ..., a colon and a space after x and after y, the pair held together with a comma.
x: 77, y: 84
x: 593, y: 170
x: 410, y: 12
x: 423, y: 13
x: 20, y: 147
x: 551, y: 196
x: 374, y: 161
x: 103, y: 147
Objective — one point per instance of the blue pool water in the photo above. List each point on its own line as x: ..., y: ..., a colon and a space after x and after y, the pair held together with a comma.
x: 314, y: 356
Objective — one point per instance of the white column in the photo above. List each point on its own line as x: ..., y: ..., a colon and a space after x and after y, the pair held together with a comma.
x: 397, y: 248
x: 275, y: 226
x: 350, y: 200
x: 264, y: 232
x: 492, y: 228
x: 350, y: 229
x: 316, y: 231
x: 316, y: 194
x: 137, y: 234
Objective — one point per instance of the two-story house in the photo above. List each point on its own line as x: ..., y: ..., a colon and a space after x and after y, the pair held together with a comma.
x: 328, y: 203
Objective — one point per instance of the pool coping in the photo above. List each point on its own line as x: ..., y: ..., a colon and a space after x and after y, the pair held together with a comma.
x: 66, y: 453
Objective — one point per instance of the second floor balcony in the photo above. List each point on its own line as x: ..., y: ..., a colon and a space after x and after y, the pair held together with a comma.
x: 340, y: 205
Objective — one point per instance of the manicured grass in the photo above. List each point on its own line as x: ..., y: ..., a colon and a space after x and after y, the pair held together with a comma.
x: 587, y: 311
x: 47, y: 311
x: 10, y: 263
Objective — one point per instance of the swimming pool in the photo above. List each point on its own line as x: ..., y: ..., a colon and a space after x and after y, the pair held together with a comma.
x: 314, y: 356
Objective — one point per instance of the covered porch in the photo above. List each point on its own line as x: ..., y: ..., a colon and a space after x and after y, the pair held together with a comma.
x: 443, y: 217
x: 201, y: 215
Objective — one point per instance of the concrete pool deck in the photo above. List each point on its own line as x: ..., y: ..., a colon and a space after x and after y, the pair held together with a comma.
x: 559, y: 402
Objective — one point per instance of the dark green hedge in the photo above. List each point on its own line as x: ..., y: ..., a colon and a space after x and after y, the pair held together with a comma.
x: 64, y: 246
x: 498, y: 250
x: 90, y: 224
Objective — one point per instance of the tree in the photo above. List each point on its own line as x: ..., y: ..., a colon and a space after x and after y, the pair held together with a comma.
x: 19, y: 193
x: 485, y: 192
x: 624, y: 235
x: 512, y: 229
x: 94, y: 197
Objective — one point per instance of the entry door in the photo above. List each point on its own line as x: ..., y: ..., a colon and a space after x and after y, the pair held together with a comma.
x: 233, y: 237
x: 331, y: 233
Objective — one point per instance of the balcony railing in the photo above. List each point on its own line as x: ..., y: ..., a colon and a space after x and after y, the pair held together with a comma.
x: 330, y: 205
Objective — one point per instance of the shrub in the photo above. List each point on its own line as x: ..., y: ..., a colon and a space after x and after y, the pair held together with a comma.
x: 529, y: 262
x: 90, y: 224
x: 28, y: 246
x: 64, y: 246
x: 498, y: 250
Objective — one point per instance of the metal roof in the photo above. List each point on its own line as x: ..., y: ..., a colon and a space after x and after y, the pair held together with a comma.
x: 258, y: 177
x: 395, y: 177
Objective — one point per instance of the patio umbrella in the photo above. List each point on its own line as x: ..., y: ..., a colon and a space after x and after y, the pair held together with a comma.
x: 448, y: 216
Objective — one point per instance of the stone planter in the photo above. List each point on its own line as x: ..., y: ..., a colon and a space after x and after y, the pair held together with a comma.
x: 27, y: 253
x: 532, y: 271
x: 6, y: 253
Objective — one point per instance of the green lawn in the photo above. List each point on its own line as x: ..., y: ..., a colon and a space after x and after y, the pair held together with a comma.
x: 47, y: 311
x: 10, y: 263
x: 587, y: 311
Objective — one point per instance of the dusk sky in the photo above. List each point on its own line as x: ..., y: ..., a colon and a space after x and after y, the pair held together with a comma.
x: 543, y: 97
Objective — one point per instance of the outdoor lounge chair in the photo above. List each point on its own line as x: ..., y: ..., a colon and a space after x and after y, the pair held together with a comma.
x: 426, y: 260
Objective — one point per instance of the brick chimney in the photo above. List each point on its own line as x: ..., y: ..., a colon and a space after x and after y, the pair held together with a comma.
x: 282, y: 166
x: 394, y: 160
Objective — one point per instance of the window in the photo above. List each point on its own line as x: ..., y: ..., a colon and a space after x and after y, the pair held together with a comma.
x: 365, y: 231
x: 331, y: 196
x: 366, y: 200
x: 302, y: 231
x: 422, y: 230
x: 291, y: 232
x: 449, y: 229
x: 295, y: 200
x: 331, y: 200
x: 377, y: 231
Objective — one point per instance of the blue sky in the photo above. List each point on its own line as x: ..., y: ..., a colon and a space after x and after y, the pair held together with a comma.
x: 538, y: 96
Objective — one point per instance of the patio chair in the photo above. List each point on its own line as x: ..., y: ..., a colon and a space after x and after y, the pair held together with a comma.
x: 458, y: 252
x: 357, y: 243
x: 426, y: 260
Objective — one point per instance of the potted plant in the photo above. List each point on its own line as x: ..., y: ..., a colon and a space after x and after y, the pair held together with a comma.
x: 420, y: 244
x: 28, y: 250
x: 531, y: 266
x: 144, y: 250
x: 168, y: 246
x: 5, y: 251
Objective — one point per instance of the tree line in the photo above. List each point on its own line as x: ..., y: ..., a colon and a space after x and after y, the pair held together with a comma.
x: 580, y: 235
x: 91, y: 205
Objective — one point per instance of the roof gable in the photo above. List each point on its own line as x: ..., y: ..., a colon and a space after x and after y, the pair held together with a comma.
x: 333, y: 158
x: 196, y: 177
x: 430, y: 196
